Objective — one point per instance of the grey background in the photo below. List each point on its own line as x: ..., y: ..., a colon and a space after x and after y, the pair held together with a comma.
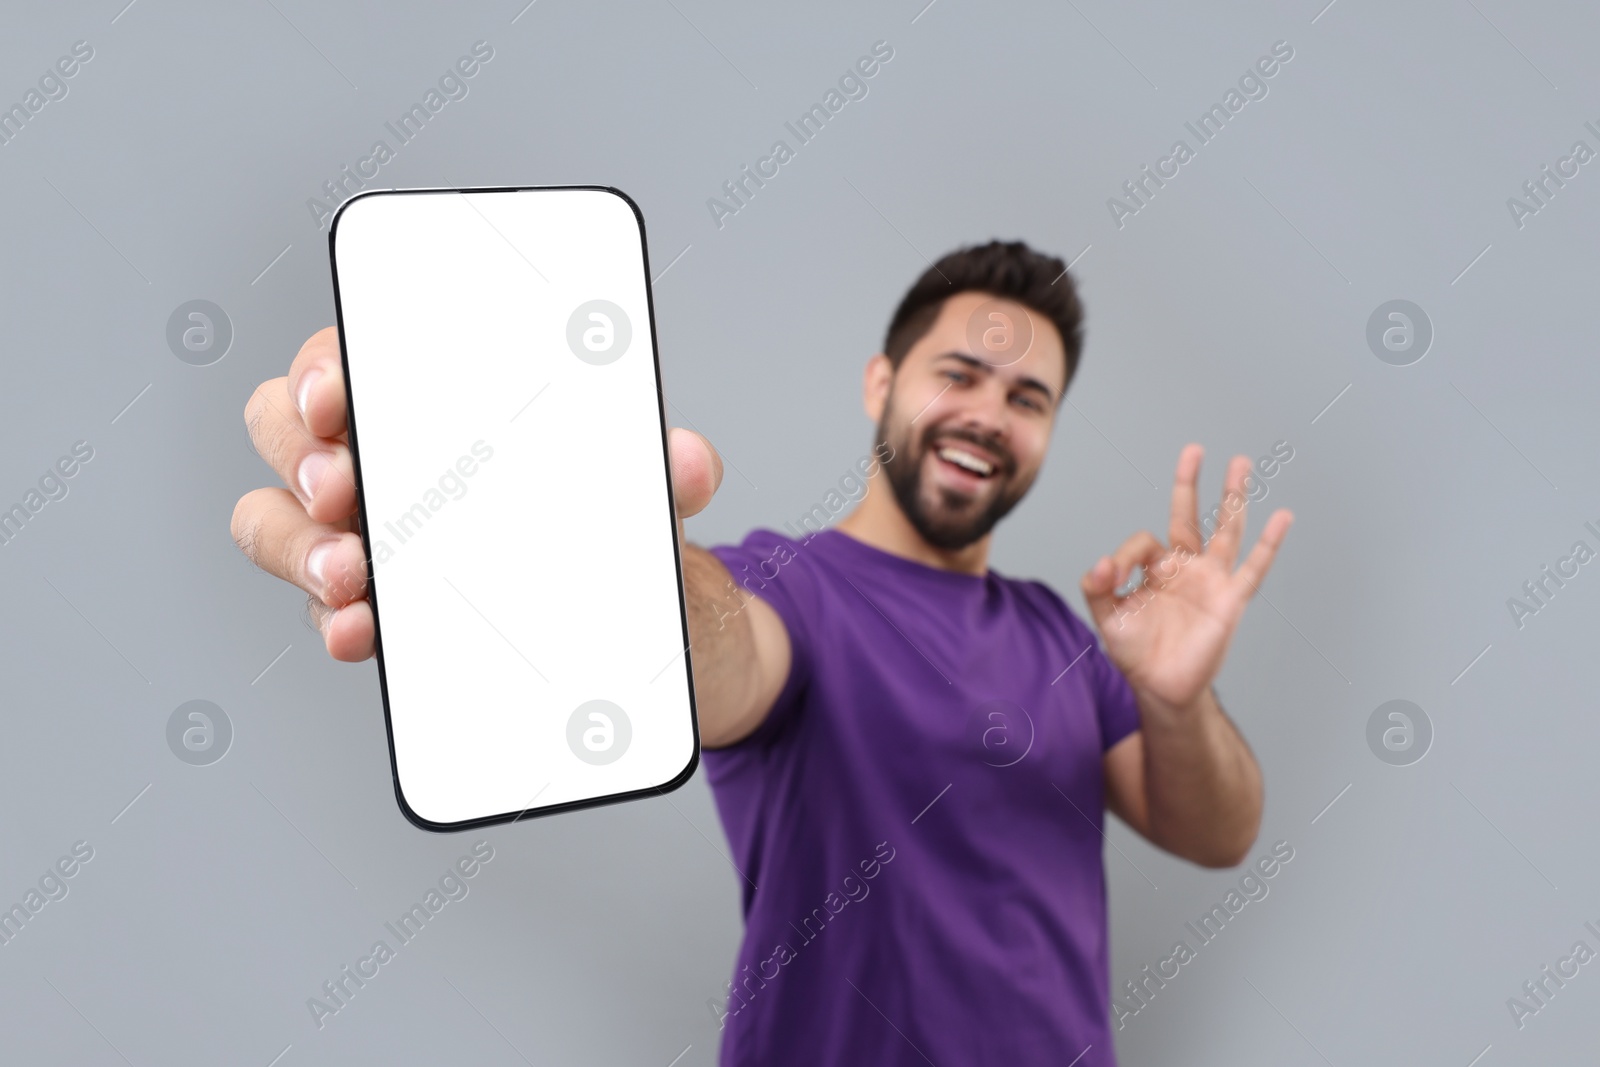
x: 1231, y: 310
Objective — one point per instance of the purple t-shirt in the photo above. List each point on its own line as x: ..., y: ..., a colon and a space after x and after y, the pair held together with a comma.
x: 918, y: 819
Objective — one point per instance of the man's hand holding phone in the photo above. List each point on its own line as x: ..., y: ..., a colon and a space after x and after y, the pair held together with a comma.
x: 309, y: 534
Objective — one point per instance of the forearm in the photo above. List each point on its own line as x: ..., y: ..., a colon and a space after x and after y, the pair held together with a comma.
x: 1202, y: 784
x: 722, y: 647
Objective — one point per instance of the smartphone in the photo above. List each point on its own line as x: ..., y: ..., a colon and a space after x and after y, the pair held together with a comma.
x: 509, y: 438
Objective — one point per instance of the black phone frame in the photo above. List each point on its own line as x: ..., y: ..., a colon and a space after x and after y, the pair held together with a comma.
x: 530, y: 812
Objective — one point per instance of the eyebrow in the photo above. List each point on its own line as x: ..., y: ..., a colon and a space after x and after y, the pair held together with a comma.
x: 977, y: 364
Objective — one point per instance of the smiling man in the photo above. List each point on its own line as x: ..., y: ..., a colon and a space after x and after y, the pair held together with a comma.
x: 911, y: 753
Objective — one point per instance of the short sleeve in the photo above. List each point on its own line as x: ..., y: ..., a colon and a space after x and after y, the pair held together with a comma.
x: 772, y: 566
x: 1115, y: 705
x: 1113, y: 698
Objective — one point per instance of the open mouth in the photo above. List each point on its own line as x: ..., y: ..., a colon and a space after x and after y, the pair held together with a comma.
x: 966, y: 462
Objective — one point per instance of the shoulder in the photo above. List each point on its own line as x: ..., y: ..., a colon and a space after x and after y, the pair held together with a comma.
x: 784, y: 571
x: 762, y: 553
x: 758, y: 538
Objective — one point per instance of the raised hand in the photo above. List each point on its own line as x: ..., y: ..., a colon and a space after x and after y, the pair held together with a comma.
x: 1170, y: 635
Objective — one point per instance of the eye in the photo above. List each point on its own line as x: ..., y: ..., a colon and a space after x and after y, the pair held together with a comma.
x: 955, y: 375
x: 1030, y: 402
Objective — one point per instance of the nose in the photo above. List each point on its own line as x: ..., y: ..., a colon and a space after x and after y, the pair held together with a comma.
x: 987, y: 411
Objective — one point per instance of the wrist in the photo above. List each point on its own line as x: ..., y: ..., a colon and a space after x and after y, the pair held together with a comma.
x: 1157, y: 710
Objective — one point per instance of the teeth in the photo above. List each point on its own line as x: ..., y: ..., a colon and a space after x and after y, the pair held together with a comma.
x: 967, y: 460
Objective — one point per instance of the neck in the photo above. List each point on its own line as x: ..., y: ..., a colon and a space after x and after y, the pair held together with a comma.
x: 878, y: 521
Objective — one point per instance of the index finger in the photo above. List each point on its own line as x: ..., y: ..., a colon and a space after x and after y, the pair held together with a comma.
x: 316, y: 382
x: 1100, y: 585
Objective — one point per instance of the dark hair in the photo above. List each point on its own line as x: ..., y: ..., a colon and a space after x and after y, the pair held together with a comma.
x: 1004, y: 268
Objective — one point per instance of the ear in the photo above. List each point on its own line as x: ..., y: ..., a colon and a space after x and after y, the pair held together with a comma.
x: 875, y: 382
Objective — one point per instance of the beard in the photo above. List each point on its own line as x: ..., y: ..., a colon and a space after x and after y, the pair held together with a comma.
x: 945, y: 518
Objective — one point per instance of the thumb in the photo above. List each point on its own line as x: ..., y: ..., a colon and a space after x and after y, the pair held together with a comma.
x: 696, y: 471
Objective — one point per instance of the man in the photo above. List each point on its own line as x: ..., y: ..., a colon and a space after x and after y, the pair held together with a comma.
x: 910, y: 752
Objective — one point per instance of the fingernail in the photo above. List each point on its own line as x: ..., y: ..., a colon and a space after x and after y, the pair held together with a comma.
x: 307, y: 380
x: 317, y: 562
x: 312, y: 468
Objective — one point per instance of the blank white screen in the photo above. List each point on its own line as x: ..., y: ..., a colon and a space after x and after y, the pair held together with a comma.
x: 516, y: 495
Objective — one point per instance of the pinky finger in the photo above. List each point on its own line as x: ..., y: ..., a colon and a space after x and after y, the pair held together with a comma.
x: 1255, y: 566
x: 348, y: 631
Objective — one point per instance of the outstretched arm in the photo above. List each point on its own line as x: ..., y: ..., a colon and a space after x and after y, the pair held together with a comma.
x: 740, y: 651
